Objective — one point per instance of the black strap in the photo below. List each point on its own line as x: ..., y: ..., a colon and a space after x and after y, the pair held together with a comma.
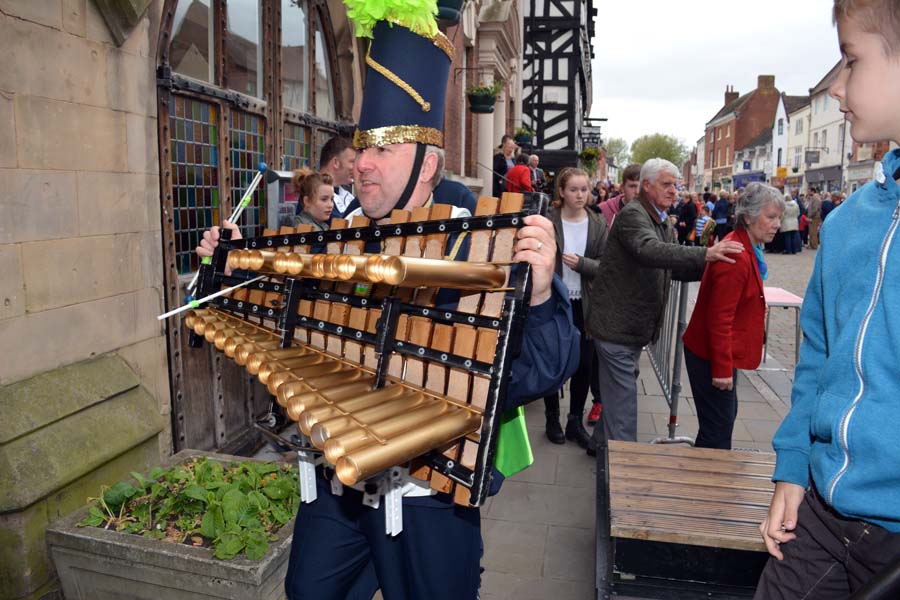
x: 413, y: 178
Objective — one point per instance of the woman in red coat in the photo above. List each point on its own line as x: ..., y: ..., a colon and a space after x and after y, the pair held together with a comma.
x: 727, y: 325
x: 518, y: 179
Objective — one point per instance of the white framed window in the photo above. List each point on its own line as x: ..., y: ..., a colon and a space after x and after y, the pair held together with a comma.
x: 780, y: 126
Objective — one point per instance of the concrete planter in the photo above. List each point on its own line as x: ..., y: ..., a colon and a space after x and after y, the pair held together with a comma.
x: 96, y: 563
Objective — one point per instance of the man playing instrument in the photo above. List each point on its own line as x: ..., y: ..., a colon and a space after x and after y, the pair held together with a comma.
x: 340, y: 548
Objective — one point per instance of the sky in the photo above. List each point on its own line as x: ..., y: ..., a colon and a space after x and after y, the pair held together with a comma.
x: 661, y: 66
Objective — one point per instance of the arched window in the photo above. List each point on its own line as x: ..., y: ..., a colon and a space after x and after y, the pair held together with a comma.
x: 243, y: 82
x: 239, y: 82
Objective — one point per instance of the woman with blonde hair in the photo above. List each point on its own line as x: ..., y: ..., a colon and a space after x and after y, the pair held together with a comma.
x: 316, y: 198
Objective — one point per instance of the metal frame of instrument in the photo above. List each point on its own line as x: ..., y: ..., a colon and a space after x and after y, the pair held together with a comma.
x: 509, y: 325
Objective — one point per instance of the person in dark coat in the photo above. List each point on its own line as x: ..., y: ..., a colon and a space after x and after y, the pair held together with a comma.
x: 503, y: 162
x: 632, y: 286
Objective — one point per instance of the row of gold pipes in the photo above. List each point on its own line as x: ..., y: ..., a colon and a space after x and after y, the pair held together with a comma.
x: 373, y: 268
x: 361, y: 430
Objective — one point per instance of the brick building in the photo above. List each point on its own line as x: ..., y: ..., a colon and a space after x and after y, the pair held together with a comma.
x: 741, y: 120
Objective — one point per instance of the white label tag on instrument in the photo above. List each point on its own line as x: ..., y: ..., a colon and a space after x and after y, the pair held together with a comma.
x: 393, y: 504
x: 337, y: 488
x: 307, y: 473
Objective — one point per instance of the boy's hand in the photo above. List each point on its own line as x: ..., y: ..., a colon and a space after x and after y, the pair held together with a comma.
x: 782, y: 518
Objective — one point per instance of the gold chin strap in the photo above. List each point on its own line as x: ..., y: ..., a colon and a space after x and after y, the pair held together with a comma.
x: 392, y: 77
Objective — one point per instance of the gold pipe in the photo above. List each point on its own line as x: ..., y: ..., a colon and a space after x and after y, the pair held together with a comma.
x: 258, y: 260
x: 200, y: 325
x: 372, y: 459
x: 298, y: 393
x: 204, y: 327
x: 318, y: 410
x: 256, y: 360
x: 353, y: 440
x: 417, y: 272
x: 296, y: 409
x: 292, y: 263
x: 322, y: 367
x: 234, y: 259
x: 223, y: 335
x: 243, y: 352
x: 232, y: 344
x: 286, y: 364
x: 324, y: 430
x: 197, y: 314
x: 211, y: 332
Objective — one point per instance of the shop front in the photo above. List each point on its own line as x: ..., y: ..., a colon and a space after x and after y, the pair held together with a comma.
x: 742, y: 180
x: 858, y: 174
x: 826, y: 179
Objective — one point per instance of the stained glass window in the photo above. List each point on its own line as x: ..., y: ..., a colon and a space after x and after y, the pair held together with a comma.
x: 296, y: 148
x: 195, y: 178
x: 247, y: 135
x: 322, y: 136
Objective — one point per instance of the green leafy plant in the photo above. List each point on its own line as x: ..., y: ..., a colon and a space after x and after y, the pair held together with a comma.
x: 523, y: 131
x: 481, y: 89
x: 234, y: 508
x: 589, y: 157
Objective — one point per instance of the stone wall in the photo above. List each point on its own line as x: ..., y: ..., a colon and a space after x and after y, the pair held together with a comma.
x: 80, y: 253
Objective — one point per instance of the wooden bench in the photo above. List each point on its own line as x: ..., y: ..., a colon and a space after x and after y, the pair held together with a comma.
x: 684, y: 520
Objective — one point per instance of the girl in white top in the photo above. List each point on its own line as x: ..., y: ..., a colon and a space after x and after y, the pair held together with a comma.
x: 580, y: 239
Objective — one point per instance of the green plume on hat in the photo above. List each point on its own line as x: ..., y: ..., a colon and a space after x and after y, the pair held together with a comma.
x: 417, y: 15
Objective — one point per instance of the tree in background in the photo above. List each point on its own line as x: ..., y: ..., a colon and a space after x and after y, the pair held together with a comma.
x: 659, y: 145
x: 617, y: 150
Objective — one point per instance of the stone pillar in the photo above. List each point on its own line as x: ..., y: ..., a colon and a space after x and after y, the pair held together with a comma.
x: 485, y: 154
x: 500, y: 116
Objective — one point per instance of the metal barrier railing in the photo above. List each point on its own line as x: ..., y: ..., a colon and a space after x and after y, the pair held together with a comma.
x: 666, y: 355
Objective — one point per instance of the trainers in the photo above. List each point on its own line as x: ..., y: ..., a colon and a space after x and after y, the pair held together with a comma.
x: 594, y: 415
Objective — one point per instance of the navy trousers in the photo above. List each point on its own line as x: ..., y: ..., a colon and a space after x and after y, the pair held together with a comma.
x: 716, y: 409
x: 341, y: 552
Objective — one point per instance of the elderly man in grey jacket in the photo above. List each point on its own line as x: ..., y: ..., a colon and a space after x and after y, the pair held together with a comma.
x: 631, y: 289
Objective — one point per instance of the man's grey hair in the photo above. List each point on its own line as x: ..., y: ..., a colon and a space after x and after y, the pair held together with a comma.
x: 439, y: 169
x: 755, y: 198
x: 653, y: 168
x: 534, y: 157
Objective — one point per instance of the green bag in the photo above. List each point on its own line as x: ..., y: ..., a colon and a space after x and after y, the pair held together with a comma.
x: 513, y: 448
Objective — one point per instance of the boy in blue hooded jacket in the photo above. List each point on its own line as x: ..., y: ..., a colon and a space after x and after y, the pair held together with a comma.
x: 834, y: 520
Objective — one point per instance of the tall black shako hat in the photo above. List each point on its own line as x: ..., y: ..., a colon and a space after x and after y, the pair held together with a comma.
x: 407, y: 67
x: 405, y: 89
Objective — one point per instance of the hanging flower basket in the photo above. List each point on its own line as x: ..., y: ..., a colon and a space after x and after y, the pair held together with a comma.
x: 483, y: 97
x: 524, y: 136
x: 449, y: 12
x: 482, y: 103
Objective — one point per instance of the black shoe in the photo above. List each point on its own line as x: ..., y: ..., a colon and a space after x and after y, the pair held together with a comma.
x: 576, y: 432
x: 554, y: 431
x: 591, y: 449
